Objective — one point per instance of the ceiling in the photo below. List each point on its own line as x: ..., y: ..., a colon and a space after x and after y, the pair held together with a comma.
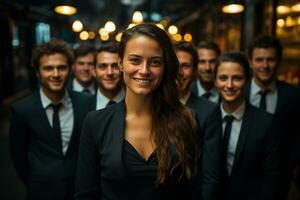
x: 94, y: 13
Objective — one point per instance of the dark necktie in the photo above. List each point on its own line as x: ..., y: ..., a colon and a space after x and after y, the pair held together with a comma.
x: 262, y: 103
x: 110, y: 103
x: 55, y: 119
x: 226, y: 137
x: 206, y: 95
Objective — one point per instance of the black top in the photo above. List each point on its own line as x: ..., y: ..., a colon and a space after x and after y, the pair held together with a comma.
x: 141, y: 172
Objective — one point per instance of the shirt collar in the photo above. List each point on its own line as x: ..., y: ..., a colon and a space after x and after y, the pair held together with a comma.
x: 79, y: 88
x: 201, y: 90
x: 238, y: 113
x: 66, y: 100
x: 116, y: 99
x: 255, y: 89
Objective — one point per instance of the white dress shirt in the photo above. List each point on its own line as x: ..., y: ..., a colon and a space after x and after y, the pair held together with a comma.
x: 79, y: 88
x: 214, y: 97
x: 235, y: 132
x: 102, y: 100
x: 66, y: 117
x: 271, y: 97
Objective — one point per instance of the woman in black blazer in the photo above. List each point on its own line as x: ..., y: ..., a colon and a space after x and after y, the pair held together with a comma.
x: 250, y: 149
x: 145, y: 147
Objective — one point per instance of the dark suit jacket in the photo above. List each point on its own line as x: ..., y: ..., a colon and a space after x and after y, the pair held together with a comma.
x: 101, y: 173
x: 286, y: 124
x: 194, y: 90
x: 36, y: 151
x: 209, y: 117
x: 256, y: 169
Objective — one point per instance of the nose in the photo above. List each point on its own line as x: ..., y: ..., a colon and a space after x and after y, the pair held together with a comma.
x: 265, y: 63
x: 55, y: 72
x: 109, y: 70
x: 207, y: 65
x: 229, y: 83
x: 144, y: 68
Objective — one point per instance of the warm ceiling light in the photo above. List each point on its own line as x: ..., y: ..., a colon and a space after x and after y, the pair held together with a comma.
x: 187, y: 37
x: 296, y: 7
x: 77, y: 26
x: 280, y: 23
x: 290, y: 21
x: 103, y: 31
x: 65, y: 10
x: 91, y: 35
x: 283, y: 10
x: 177, y: 37
x: 172, y: 29
x: 104, y: 37
x: 119, y: 37
x: 137, y: 17
x: 84, y: 35
x: 110, y: 26
x: 233, y: 8
x: 298, y: 20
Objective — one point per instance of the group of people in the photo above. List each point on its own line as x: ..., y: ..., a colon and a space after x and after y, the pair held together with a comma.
x: 151, y: 119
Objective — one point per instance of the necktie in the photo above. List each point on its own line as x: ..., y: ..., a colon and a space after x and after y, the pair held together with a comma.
x: 110, y: 103
x: 262, y: 103
x: 226, y: 137
x: 55, y: 119
x: 206, y: 95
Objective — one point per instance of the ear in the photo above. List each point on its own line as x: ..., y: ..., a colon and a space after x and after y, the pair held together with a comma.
x: 120, y: 64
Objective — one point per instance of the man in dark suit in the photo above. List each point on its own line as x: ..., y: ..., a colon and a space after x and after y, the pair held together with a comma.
x: 82, y: 75
x: 275, y: 97
x: 208, y: 115
x: 208, y: 53
x: 109, y: 76
x: 45, y: 127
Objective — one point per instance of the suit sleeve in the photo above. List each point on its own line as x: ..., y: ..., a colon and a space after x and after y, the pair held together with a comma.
x: 210, y: 159
x: 19, y: 144
x: 88, y: 166
x: 271, y: 167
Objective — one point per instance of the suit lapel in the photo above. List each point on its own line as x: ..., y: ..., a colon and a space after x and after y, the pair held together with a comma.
x: 43, y: 123
x: 242, y: 137
x: 280, y: 97
x: 194, y: 88
x: 116, y: 130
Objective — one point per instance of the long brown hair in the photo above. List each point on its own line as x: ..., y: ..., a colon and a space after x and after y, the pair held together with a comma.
x: 173, y: 124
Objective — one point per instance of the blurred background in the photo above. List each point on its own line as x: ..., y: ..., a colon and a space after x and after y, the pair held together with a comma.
x: 232, y: 24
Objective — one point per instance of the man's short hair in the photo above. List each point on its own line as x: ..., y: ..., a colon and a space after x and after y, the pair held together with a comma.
x: 84, y: 50
x: 50, y: 48
x: 209, y: 45
x: 266, y: 41
x: 111, y: 47
x: 189, y: 48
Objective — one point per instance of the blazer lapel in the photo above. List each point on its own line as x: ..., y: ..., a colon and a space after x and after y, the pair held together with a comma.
x: 242, y: 137
x: 116, y: 131
x: 43, y: 123
x: 280, y: 98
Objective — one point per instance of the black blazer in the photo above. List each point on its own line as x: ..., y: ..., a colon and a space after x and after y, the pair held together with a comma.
x: 100, y: 171
x: 36, y: 151
x: 209, y: 117
x: 194, y: 90
x: 286, y: 124
x: 256, y: 169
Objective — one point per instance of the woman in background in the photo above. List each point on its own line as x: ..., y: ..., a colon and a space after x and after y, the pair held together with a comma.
x: 145, y: 147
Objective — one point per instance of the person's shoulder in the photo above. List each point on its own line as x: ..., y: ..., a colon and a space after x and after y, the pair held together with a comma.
x: 25, y: 101
x: 203, y: 103
x: 106, y: 113
x: 259, y: 114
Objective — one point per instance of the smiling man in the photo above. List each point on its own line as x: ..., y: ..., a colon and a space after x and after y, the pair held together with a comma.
x: 109, y: 76
x: 276, y: 97
x: 45, y: 127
